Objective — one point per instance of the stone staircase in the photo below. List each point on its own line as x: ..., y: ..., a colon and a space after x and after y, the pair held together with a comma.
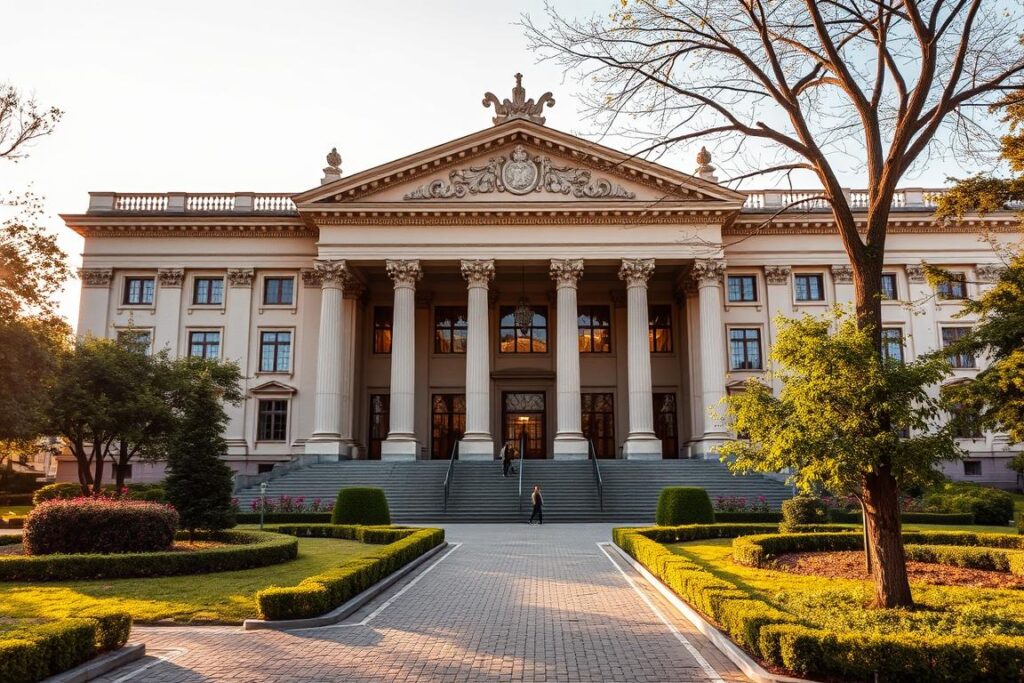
x: 415, y: 490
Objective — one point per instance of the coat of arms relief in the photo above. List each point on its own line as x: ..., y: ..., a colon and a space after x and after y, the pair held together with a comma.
x: 521, y: 174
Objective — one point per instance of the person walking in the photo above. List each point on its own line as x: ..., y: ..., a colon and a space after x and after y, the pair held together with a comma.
x: 538, y: 504
x: 506, y: 462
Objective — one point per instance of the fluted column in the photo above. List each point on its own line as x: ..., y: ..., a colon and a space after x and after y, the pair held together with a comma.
x: 641, y: 442
x: 326, y: 438
x: 708, y: 273
x: 569, y: 441
x: 353, y: 291
x: 401, y: 442
x: 477, y: 443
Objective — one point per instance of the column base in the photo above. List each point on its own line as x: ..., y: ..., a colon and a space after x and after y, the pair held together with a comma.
x: 703, y: 449
x: 328, y: 449
x: 399, y: 449
x: 471, y: 448
x: 641, y: 447
x: 571, y: 448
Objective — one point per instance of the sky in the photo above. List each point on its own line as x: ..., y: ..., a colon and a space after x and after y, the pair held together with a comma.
x: 250, y: 96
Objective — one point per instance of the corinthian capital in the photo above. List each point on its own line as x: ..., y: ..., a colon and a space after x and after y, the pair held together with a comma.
x: 636, y: 271
x: 708, y: 271
x: 404, y: 273
x: 170, y: 277
x: 478, y: 272
x: 842, y: 274
x: 566, y: 272
x: 777, y: 275
x: 96, y: 277
x: 330, y: 272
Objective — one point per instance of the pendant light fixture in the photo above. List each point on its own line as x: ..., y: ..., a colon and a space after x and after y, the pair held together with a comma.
x: 524, y: 314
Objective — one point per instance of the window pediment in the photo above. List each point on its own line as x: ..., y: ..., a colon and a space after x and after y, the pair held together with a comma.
x: 273, y: 388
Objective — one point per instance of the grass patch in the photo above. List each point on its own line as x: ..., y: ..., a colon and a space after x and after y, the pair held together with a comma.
x: 225, y: 597
x: 839, y: 605
x: 14, y: 510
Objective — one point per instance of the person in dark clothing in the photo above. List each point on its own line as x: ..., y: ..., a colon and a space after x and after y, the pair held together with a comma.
x: 506, y: 462
x: 538, y: 504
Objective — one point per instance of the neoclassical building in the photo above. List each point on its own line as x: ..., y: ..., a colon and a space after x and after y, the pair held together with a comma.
x: 518, y: 280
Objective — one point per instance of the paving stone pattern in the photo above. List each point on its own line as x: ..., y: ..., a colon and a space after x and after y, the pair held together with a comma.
x: 511, y: 603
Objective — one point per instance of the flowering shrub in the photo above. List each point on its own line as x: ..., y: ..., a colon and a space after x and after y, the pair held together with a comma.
x: 289, y: 504
x: 99, y: 525
x: 740, y: 504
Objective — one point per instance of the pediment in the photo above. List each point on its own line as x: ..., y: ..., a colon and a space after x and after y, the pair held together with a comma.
x: 273, y: 387
x: 518, y: 162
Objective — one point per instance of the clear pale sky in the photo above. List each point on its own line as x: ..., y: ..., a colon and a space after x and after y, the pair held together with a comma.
x: 250, y: 96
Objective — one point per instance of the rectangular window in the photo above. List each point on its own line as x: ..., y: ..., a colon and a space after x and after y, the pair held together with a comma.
x: 515, y: 339
x: 745, y: 349
x: 809, y: 287
x: 595, y: 329
x: 450, y: 328
x: 275, y: 351
x: 659, y: 326
x: 892, y: 343
x: 889, y: 291
x: 138, y: 291
x: 382, y: 322
x: 742, y: 288
x: 278, y: 291
x: 972, y: 468
x: 598, y: 420
x: 272, y: 420
x: 380, y: 423
x: 113, y: 471
x: 951, y: 335
x: 264, y: 467
x: 208, y: 291
x: 142, y: 339
x: 966, y: 423
x: 447, y: 423
x: 204, y: 344
x: 954, y: 288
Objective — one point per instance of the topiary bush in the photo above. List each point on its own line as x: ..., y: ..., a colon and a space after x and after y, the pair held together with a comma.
x: 988, y: 505
x: 361, y: 505
x: 99, y: 525
x: 66, y: 491
x: 679, y: 505
x: 802, y: 510
x: 56, y: 491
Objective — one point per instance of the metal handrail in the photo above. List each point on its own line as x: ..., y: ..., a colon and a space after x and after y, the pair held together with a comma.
x: 522, y: 462
x: 597, y: 474
x: 450, y: 474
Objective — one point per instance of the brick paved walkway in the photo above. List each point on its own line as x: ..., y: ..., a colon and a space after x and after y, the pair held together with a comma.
x: 511, y: 603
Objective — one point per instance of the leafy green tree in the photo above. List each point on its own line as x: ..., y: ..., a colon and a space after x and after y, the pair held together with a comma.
x: 847, y: 420
x: 199, y: 482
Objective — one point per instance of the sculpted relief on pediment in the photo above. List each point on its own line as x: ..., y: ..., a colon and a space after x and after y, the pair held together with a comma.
x: 520, y: 174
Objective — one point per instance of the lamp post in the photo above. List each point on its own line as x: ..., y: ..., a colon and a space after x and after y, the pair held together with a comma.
x: 263, y: 501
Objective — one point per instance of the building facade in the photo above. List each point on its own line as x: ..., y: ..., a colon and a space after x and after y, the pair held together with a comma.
x: 518, y: 283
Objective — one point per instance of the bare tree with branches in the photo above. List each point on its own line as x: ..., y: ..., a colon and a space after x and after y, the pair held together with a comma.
x: 808, y: 86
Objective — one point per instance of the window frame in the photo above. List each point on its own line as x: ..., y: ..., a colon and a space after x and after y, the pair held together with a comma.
x: 972, y: 474
x: 374, y: 329
x: 200, y: 277
x: 810, y: 302
x: 291, y: 350
x: 902, y: 340
x: 451, y: 329
x: 746, y: 342
x: 265, y: 279
x: 959, y: 281
x: 587, y: 309
x: 148, y: 331
x: 517, y: 333
x: 652, y: 329
x: 895, y: 286
x: 954, y: 359
x: 259, y: 418
x: 125, y: 288
x: 729, y: 301
x: 204, y: 330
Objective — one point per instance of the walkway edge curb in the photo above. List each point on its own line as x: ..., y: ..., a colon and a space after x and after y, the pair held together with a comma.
x: 750, y: 668
x: 347, y: 608
x: 98, y: 666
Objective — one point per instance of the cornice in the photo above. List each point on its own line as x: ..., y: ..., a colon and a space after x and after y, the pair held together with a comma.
x: 916, y: 223
x: 190, y: 226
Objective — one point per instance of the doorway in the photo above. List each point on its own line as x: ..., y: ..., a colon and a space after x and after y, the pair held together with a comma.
x: 524, y: 413
x: 447, y: 423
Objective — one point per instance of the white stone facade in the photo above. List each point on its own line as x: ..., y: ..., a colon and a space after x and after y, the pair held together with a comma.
x: 374, y: 315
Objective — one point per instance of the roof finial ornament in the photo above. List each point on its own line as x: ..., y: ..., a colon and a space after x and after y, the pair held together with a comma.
x: 518, y: 107
x: 332, y: 171
x: 705, y: 170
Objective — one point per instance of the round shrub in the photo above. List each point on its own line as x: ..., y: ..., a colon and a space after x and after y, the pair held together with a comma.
x: 99, y: 525
x: 55, y: 492
x: 153, y: 495
x: 990, y: 506
x: 684, y: 505
x: 361, y: 505
x: 802, y: 510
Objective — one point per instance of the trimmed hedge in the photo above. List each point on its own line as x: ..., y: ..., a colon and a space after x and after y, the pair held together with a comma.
x: 684, y: 505
x: 12, y: 522
x: 801, y: 511
x: 15, y: 499
x: 951, y: 518
x: 284, y: 517
x: 67, y: 490
x: 361, y: 505
x: 246, y: 549
x: 99, y: 525
x: 748, y: 516
x: 778, y: 639
x: 988, y: 505
x: 41, y: 650
x: 319, y: 594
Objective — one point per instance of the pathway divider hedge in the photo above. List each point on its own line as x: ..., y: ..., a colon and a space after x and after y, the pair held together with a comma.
x: 320, y: 594
x: 245, y: 550
x: 950, y: 518
x: 781, y: 640
x: 37, y: 651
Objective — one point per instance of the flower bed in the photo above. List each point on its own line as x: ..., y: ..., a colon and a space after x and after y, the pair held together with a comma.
x: 244, y: 550
x: 782, y: 637
x: 283, y: 517
x: 320, y: 594
x: 34, y: 652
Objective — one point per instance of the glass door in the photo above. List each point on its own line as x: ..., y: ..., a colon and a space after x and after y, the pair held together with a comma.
x: 665, y: 424
x: 523, y: 413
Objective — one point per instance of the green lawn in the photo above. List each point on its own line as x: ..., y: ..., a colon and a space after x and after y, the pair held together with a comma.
x: 14, y: 510
x: 839, y: 604
x: 225, y: 597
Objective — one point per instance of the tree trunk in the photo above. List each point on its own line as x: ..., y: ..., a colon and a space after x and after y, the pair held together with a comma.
x: 97, y: 479
x: 82, y: 460
x: 884, y: 532
x: 122, y: 465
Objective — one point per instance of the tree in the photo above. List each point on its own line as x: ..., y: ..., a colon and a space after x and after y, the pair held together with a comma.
x: 843, y: 413
x: 22, y: 121
x: 199, y: 482
x: 809, y: 85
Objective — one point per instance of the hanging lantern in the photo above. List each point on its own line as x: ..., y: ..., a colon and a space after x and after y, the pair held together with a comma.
x: 524, y: 314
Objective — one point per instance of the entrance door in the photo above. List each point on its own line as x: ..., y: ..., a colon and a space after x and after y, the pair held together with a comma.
x: 380, y: 405
x: 523, y: 412
x: 598, y: 417
x: 448, y: 423
x: 665, y: 424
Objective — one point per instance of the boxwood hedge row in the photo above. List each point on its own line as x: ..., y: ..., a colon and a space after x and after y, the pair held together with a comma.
x: 35, y: 652
x: 951, y: 518
x: 245, y: 550
x: 780, y: 640
x: 319, y: 594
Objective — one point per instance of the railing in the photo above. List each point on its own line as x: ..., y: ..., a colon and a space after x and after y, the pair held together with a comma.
x: 450, y: 474
x: 522, y: 462
x: 804, y: 200
x: 192, y: 202
x: 598, y: 481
